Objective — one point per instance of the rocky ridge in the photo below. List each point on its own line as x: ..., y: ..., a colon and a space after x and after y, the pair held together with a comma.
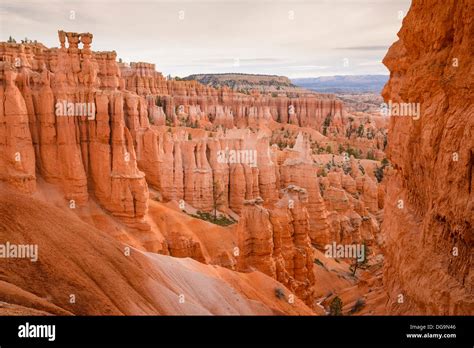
x: 429, y: 219
x: 176, y: 140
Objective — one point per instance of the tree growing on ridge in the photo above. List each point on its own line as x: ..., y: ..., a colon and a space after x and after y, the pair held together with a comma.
x: 335, y: 308
x: 217, y: 194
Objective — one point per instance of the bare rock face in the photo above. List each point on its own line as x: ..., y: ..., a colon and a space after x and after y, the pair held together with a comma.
x: 429, y: 220
x: 301, y: 171
x: 66, y: 116
x: 209, y: 149
x: 224, y: 107
x: 255, y: 239
x: 276, y: 242
x: 233, y: 165
x: 17, y: 157
x: 110, y: 283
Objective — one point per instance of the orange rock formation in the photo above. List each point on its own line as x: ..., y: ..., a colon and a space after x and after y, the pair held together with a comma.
x: 150, y: 154
x: 429, y: 217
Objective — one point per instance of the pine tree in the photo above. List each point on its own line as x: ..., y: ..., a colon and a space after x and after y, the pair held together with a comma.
x: 335, y: 308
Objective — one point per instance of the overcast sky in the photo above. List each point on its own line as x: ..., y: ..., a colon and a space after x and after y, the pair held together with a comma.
x: 306, y: 38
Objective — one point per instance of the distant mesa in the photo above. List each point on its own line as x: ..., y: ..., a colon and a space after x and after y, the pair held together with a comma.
x: 343, y: 83
x: 247, y: 82
x: 339, y: 84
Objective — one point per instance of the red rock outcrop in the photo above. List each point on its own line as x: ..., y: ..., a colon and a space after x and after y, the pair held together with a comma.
x: 92, y: 153
x: 277, y: 243
x: 228, y: 108
x: 429, y: 219
x: 82, y: 271
x: 17, y: 157
x: 300, y: 170
x: 201, y: 148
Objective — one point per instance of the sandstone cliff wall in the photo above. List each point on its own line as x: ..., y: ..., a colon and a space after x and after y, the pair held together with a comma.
x: 429, y: 207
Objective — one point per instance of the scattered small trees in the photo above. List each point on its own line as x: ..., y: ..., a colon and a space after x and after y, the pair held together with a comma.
x: 378, y: 172
x: 321, y: 187
x: 352, y: 152
x: 319, y: 263
x: 361, y: 263
x: 340, y: 149
x: 360, y: 303
x: 279, y: 293
x: 217, y: 194
x: 221, y: 220
x: 326, y: 124
x: 335, y: 308
x: 349, y: 129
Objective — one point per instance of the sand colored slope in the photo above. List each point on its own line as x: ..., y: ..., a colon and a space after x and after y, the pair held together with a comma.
x: 77, y: 259
x: 336, y: 279
x: 188, y: 236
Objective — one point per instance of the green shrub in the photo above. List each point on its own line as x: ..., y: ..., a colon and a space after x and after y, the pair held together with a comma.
x: 279, y: 293
x: 335, y: 308
x: 340, y: 149
x: 360, y: 303
x: 319, y: 263
x: 378, y: 172
x: 219, y: 220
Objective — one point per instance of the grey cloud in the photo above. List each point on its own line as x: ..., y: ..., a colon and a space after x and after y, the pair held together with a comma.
x: 213, y: 34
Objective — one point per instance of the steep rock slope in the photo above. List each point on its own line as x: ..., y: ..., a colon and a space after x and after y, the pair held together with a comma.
x: 107, y: 278
x: 166, y: 134
x: 277, y: 242
x: 429, y: 207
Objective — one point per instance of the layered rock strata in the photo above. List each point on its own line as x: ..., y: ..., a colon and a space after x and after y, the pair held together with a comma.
x: 429, y: 220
